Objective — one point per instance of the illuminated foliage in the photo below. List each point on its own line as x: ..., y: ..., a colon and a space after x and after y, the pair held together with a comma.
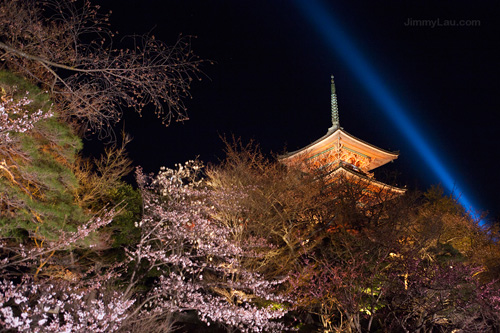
x: 195, y: 258
x: 280, y: 205
x: 36, y: 179
x: 54, y: 298
x: 208, y: 253
x: 237, y: 247
x: 401, y: 272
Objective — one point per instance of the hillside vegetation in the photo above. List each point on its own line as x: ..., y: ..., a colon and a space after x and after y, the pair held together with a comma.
x: 247, y: 245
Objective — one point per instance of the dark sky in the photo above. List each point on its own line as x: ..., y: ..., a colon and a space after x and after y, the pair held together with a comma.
x: 271, y: 82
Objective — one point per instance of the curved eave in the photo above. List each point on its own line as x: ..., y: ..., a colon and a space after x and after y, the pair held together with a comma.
x: 372, y: 181
x: 378, y: 155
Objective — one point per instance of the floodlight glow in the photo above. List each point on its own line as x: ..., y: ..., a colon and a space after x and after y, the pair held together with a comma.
x: 339, y: 42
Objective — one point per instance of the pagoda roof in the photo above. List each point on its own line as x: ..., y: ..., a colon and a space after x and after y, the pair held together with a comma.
x: 349, y: 172
x: 336, y: 139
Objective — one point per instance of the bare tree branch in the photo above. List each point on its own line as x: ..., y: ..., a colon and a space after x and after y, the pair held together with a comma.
x: 68, y: 48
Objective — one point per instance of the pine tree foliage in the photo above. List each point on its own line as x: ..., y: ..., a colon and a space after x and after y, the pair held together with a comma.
x: 37, y: 181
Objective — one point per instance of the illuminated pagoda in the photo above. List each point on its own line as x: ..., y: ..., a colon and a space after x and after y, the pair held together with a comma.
x: 343, y: 156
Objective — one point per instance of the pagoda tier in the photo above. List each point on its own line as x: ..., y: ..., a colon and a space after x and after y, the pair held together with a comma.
x: 339, y: 146
x: 340, y: 154
x: 375, y: 189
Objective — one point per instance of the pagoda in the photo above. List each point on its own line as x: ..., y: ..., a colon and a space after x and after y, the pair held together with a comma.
x: 342, y: 156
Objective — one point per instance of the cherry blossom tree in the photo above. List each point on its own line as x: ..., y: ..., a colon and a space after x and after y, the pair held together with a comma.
x: 34, y: 306
x: 34, y: 300
x: 16, y: 118
x: 193, y: 259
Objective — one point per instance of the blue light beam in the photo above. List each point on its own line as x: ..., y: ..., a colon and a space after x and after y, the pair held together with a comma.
x: 339, y: 42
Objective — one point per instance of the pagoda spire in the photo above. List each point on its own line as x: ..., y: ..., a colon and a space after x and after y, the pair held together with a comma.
x: 334, y: 107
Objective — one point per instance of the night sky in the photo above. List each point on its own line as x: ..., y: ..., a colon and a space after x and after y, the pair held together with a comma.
x: 270, y: 82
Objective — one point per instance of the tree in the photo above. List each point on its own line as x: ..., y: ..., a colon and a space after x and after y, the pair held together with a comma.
x: 185, y: 266
x: 194, y: 260
x: 33, y: 306
x: 67, y: 48
x: 316, y: 228
x: 407, y: 268
x: 278, y: 204
x: 36, y: 154
x: 63, y: 300
x: 340, y: 278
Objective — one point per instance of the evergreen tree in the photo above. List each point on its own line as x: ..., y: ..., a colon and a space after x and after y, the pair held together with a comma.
x: 36, y: 179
